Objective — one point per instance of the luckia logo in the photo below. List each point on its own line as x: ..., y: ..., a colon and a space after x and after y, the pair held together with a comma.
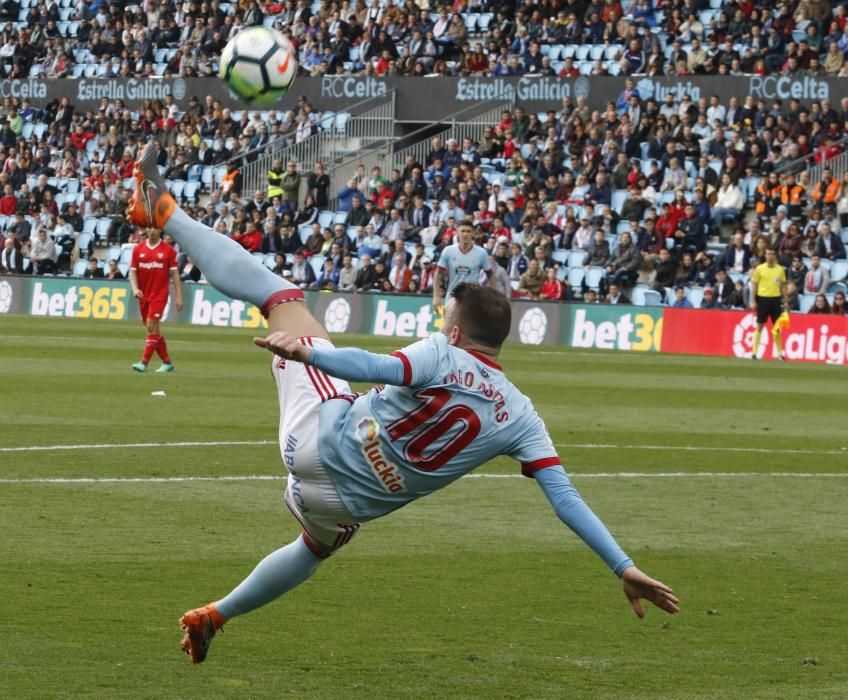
x: 532, y: 327
x: 6, y: 295
x: 337, y: 316
x: 743, y: 338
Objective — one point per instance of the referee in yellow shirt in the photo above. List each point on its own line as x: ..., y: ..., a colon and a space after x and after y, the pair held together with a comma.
x: 768, y: 298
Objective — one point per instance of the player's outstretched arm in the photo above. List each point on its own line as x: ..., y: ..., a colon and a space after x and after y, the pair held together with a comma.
x: 573, y: 511
x: 350, y: 364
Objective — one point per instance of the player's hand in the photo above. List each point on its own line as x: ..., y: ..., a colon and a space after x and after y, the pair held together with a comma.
x: 638, y: 586
x: 179, y: 306
x: 754, y: 306
x: 138, y: 294
x: 284, y: 345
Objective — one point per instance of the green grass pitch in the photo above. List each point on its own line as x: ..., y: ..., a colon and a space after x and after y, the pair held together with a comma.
x: 475, y: 592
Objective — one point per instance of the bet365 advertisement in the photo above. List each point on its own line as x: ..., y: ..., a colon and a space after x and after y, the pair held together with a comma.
x: 810, y: 338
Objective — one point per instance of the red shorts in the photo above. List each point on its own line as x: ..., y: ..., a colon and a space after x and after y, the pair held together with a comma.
x: 152, y: 308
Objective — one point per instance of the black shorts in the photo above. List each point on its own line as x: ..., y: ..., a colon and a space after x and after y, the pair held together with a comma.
x: 769, y: 307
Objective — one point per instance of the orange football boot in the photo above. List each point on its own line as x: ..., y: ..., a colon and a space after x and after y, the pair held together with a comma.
x: 200, y: 626
x: 151, y: 204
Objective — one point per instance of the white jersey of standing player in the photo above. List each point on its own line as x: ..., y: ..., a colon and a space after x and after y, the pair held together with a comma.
x: 455, y: 412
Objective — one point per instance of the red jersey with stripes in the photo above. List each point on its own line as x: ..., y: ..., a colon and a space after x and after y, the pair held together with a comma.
x: 456, y: 411
x: 153, y: 265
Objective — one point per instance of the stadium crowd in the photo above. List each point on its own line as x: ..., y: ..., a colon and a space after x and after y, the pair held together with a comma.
x: 64, y: 38
x: 678, y: 197
x: 577, y: 203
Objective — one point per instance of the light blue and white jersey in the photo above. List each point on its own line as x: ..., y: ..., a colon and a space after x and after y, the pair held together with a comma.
x: 455, y: 412
x: 462, y: 267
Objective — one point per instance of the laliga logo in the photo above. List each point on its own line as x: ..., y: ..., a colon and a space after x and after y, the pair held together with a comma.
x: 6, y: 296
x: 743, y: 338
x: 532, y: 327
x: 337, y: 315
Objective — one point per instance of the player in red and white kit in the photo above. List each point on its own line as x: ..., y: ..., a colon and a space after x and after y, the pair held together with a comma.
x: 154, y: 264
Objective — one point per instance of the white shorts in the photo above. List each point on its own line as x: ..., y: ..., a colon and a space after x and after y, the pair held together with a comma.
x: 310, y: 495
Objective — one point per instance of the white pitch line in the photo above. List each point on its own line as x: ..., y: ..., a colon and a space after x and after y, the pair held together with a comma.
x: 134, y: 445
x: 272, y: 477
x: 699, y: 448
x: 573, y: 445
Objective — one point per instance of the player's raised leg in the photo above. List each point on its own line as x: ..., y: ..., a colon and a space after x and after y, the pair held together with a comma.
x: 227, y: 266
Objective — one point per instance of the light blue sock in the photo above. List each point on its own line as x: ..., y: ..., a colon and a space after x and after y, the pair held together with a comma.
x: 227, y: 266
x: 276, y: 574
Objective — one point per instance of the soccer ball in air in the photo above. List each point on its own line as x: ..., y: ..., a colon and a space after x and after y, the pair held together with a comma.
x: 532, y: 326
x: 259, y: 65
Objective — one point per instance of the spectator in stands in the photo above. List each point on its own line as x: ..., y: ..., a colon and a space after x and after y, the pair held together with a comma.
x: 531, y: 281
x: 616, y: 295
x: 723, y: 289
x: 328, y: 280
x: 290, y: 184
x: 347, y: 275
x: 820, y: 305
x: 498, y: 277
x: 43, y: 254
x: 517, y: 264
x: 838, y: 306
x: 302, y: 273
x: 623, y: 265
x: 681, y: 301
x: 729, y: 201
x: 113, y: 271
x: 552, y: 288
x: 817, y: 278
x: 318, y: 186
x: 829, y: 245
x: 93, y: 269
x: 598, y: 252
x: 11, y: 257
x: 366, y: 275
x: 8, y: 202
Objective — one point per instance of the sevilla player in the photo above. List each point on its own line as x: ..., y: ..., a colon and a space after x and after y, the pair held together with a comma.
x: 153, y: 263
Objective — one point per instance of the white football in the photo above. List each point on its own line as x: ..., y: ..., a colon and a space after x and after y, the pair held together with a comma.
x: 259, y: 65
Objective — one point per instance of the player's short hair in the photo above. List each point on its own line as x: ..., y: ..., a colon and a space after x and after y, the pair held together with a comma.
x: 483, y: 314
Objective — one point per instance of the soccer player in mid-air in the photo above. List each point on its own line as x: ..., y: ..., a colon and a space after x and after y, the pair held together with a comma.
x: 154, y: 264
x: 446, y: 409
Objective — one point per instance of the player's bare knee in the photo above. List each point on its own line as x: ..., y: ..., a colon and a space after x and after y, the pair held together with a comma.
x: 296, y: 319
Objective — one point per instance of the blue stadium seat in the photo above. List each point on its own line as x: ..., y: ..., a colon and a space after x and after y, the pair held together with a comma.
x: 84, y: 243
x: 839, y: 271
x: 594, y: 276
x: 326, y: 218
x: 316, y: 262
x: 653, y: 298
x: 560, y: 256
x: 619, y: 197
x: 695, y: 296
x: 79, y: 268
x: 103, y: 228
x: 806, y: 301
x: 575, y: 277
x: 576, y: 258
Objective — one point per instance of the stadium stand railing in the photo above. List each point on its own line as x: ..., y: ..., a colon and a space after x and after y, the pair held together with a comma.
x: 469, y: 120
x: 364, y: 125
x: 456, y: 127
